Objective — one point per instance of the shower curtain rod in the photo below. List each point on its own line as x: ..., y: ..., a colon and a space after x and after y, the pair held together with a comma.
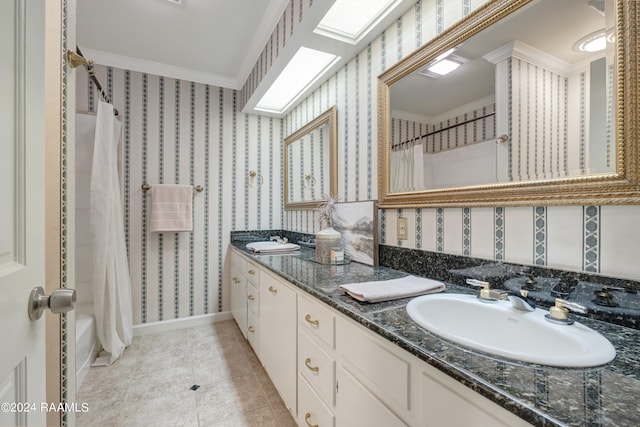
x: 475, y: 119
x: 75, y: 59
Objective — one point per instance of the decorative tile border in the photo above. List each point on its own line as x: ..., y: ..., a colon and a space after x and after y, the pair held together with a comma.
x: 418, y: 228
x: 466, y: 231
x: 499, y: 233
x: 398, y: 216
x: 440, y: 230
x: 591, y: 247
x: 540, y: 235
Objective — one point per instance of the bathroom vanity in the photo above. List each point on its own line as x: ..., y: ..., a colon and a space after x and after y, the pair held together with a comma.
x: 338, y: 362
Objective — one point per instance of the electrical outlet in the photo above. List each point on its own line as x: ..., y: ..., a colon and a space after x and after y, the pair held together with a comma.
x: 403, y: 229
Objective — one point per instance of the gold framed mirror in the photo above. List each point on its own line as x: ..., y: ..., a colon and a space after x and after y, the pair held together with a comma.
x: 310, y: 162
x: 531, y: 156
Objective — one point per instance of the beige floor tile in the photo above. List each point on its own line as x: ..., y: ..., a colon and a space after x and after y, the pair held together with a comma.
x: 150, y: 384
x: 172, y: 409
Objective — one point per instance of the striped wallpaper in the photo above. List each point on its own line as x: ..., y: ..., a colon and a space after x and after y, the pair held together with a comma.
x: 188, y: 133
x: 541, y: 146
x: 579, y: 238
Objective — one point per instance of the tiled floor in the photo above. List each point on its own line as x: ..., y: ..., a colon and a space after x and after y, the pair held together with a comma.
x: 150, y: 385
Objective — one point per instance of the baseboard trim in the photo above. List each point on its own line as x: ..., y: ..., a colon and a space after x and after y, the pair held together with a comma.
x: 184, y: 322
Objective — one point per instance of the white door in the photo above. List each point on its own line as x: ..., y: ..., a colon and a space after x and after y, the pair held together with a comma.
x: 22, y: 347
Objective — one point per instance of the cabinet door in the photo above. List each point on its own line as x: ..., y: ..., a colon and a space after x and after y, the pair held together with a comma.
x: 278, y: 336
x: 357, y: 406
x: 446, y: 402
x: 239, y: 300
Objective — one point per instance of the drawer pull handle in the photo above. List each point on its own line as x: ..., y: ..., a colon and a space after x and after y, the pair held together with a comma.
x: 273, y: 290
x: 250, y: 298
x: 307, y: 417
x: 307, y: 363
x: 250, y: 329
x: 311, y: 322
x: 251, y: 272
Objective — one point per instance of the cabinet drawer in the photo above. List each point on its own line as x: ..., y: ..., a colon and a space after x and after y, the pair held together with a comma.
x: 317, y: 367
x: 312, y: 412
x: 253, y: 273
x: 317, y: 320
x: 253, y: 299
x: 253, y: 332
x: 376, y: 366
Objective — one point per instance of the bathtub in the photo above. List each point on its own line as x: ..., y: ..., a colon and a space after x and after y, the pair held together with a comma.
x: 87, y: 346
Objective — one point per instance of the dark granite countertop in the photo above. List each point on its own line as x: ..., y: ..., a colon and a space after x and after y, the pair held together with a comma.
x: 544, y: 396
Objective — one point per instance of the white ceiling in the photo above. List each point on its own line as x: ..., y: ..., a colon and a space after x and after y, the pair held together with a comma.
x: 214, y: 42
x: 208, y: 41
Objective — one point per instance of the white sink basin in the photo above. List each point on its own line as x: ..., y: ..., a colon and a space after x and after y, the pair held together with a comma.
x: 498, y: 328
x: 272, y: 247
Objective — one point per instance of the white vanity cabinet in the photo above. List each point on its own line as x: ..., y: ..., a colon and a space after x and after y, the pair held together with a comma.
x: 278, y: 335
x: 332, y: 371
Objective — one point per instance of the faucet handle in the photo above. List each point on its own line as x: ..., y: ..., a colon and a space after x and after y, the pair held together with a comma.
x: 480, y: 283
x: 486, y: 293
x: 559, y: 313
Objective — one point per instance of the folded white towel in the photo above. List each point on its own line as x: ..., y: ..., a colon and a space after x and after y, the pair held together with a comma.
x: 171, y: 207
x: 386, y: 290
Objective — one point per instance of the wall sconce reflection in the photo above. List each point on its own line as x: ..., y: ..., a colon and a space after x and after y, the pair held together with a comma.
x: 309, y: 181
x: 254, y: 179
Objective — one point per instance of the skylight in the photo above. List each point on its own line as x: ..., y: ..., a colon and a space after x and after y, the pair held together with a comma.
x: 351, y: 20
x: 306, y: 66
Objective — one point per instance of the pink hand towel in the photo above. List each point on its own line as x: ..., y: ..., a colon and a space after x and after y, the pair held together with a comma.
x: 171, y: 207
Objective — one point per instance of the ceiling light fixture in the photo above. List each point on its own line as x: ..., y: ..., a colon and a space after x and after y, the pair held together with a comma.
x: 594, y: 42
x: 350, y: 20
x: 444, y: 67
x: 443, y: 64
x: 304, y: 69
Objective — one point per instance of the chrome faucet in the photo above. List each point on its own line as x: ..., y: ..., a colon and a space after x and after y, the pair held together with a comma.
x: 279, y: 239
x: 521, y: 302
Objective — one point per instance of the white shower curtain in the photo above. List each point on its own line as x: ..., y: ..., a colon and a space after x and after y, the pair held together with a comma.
x: 112, y: 285
x: 407, y: 168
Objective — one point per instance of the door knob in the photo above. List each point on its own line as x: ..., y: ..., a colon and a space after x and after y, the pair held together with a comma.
x: 60, y: 301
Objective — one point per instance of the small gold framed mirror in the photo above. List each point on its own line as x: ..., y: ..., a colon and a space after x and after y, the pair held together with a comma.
x: 310, y: 162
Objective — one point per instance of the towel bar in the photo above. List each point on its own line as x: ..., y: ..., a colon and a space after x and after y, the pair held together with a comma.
x: 198, y: 188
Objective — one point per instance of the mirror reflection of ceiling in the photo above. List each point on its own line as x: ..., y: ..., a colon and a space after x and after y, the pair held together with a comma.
x: 552, y: 26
